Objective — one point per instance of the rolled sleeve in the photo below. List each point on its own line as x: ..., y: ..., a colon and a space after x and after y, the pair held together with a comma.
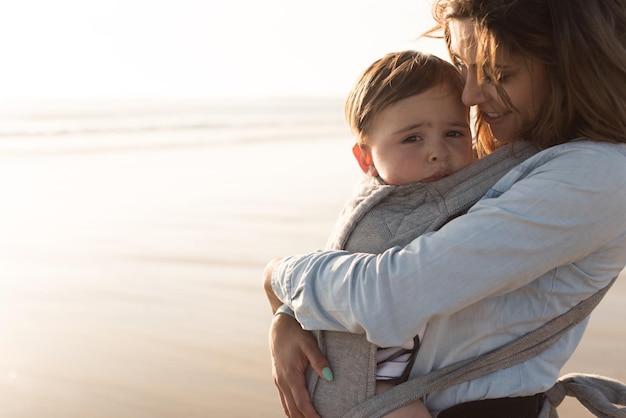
x: 284, y: 309
x: 281, y: 280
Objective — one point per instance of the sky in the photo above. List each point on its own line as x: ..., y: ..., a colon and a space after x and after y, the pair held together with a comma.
x: 77, y: 49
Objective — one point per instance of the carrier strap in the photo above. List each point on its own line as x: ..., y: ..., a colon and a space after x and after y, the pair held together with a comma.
x: 515, y: 352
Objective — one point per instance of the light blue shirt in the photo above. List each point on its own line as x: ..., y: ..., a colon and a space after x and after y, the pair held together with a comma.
x: 549, y: 234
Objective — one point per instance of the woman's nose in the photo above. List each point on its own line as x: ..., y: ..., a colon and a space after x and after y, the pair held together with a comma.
x: 472, y: 90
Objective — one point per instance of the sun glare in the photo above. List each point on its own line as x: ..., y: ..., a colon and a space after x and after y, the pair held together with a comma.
x: 140, y: 48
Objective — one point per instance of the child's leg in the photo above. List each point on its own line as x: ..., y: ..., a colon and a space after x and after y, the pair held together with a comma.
x: 415, y: 409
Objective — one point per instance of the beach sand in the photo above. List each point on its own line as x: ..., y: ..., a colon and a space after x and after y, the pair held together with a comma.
x: 130, y: 280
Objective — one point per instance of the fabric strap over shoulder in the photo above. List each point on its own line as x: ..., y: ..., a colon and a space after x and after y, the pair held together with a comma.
x: 597, y: 393
x: 382, y: 216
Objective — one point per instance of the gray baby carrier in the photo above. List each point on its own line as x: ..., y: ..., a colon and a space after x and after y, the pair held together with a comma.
x: 382, y: 216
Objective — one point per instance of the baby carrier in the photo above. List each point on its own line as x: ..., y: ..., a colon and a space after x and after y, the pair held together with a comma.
x: 382, y: 216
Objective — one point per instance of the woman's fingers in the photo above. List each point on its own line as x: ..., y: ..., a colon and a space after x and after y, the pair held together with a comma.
x: 316, y: 358
x: 297, y: 397
x: 291, y: 347
x: 289, y: 403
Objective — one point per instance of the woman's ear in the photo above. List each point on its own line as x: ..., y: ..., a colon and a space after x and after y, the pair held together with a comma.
x: 364, y: 158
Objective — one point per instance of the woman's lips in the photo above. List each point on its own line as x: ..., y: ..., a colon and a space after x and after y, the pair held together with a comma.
x: 492, y: 117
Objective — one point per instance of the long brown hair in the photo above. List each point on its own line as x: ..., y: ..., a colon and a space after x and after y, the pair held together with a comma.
x: 581, y: 43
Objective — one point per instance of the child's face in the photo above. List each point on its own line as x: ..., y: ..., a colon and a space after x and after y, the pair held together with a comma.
x: 421, y: 138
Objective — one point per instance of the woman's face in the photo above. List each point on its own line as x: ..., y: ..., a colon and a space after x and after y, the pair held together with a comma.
x: 524, y: 80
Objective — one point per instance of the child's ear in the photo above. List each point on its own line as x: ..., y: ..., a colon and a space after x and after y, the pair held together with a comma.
x: 364, y: 158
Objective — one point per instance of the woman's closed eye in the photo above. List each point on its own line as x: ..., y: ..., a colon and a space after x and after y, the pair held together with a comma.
x: 456, y: 61
x: 493, y: 78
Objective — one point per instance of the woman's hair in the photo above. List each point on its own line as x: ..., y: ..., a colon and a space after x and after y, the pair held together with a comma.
x: 394, y: 77
x: 581, y: 43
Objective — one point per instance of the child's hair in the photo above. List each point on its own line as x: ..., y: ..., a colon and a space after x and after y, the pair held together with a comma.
x: 392, y: 78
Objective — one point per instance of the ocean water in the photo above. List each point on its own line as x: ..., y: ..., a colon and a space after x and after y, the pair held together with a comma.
x: 108, y: 125
x: 76, y: 175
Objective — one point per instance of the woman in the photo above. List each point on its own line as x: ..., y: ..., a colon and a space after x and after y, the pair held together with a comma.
x: 546, y: 236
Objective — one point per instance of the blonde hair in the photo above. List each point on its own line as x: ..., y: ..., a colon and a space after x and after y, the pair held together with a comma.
x: 581, y: 44
x: 394, y: 77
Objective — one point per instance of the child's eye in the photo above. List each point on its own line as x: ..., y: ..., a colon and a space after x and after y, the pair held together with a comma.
x: 454, y: 133
x: 411, y: 139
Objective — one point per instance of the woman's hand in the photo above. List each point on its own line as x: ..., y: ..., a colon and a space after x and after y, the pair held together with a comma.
x: 292, y: 349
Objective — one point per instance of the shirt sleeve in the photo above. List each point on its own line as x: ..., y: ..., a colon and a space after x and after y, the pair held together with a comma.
x: 559, y: 209
x: 284, y: 309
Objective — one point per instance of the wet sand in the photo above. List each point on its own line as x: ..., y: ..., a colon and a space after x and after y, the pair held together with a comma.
x: 130, y: 279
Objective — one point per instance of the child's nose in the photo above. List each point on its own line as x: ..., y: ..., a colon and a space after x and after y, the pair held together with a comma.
x: 438, y: 153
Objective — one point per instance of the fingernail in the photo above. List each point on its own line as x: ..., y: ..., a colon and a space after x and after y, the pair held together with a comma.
x: 328, y: 374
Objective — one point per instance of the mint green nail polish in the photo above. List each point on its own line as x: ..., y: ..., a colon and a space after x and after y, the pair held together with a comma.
x: 328, y: 374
